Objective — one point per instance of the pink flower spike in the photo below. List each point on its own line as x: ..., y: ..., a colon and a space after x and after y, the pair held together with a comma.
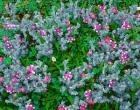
x: 1, y: 79
x: 47, y: 79
x: 115, y: 10
x: 68, y: 76
x: 92, y: 15
x: 30, y: 107
x: 43, y: 33
x: 58, y: 30
x: 9, y: 89
x: 97, y: 27
x: 126, y: 25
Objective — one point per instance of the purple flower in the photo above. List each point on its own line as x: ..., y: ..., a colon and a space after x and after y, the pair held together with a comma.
x: 88, y: 93
x: 125, y: 25
x: 112, y: 83
x: 43, y: 33
x: 97, y: 27
x: 9, y: 89
x: 8, y: 44
x: 31, y: 69
x: 47, y: 79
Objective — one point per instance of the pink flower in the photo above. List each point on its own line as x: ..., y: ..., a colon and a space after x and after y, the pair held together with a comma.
x: 88, y: 93
x: 102, y: 8
x: 71, y: 39
x: 92, y: 15
x: 113, y: 44
x: 112, y: 83
x: 81, y: 11
x: 83, y: 107
x: 43, y: 33
x: 107, y: 40
x: 90, y: 53
x: 100, y: 43
x: 34, y: 27
x: 106, y: 27
x: 30, y: 107
x: 62, y: 107
x: 90, y: 102
x: 67, y: 23
x: 89, y: 66
x: 137, y: 15
x: 31, y: 69
x: 11, y: 26
x: 29, y: 75
x: 126, y: 25
x: 47, y: 79
x: 68, y: 76
x: 1, y: 59
x: 85, y: 19
x: 97, y: 27
x: 58, y: 30
x: 4, y: 26
x: 70, y: 29
x: 5, y: 38
x: 1, y: 79
x: 22, y: 90
x: 115, y: 10
x: 8, y: 44
x: 14, y: 80
x: 9, y: 89
x: 124, y: 57
x: 82, y: 75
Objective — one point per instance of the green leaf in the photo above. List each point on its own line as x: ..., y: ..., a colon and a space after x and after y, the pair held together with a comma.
x: 7, y: 61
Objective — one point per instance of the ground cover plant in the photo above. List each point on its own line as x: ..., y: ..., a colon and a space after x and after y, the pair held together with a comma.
x: 68, y: 56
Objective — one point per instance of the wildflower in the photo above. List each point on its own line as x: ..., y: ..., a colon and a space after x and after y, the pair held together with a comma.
x: 92, y: 15
x: 83, y: 107
x: 113, y: 44
x: 68, y: 76
x: 30, y: 107
x: 90, y: 102
x: 11, y: 26
x: 88, y: 93
x: 31, y: 69
x: 106, y: 27
x: 112, y: 83
x: 4, y: 26
x: 53, y: 59
x: 22, y: 90
x: 67, y: 23
x: 90, y: 53
x: 47, y: 79
x: 58, y: 30
x: 81, y: 11
x: 124, y: 57
x: 9, y: 89
x: 85, y: 19
x: 126, y: 25
x: 62, y: 107
x: 14, y: 80
x: 89, y: 66
x: 1, y: 79
x: 43, y: 33
x: 34, y: 27
x: 100, y: 43
x: 70, y: 29
x: 8, y: 44
x: 102, y: 8
x: 71, y: 39
x: 82, y: 75
x: 107, y: 40
x: 1, y: 59
x: 115, y: 10
x: 97, y: 27
x: 5, y: 38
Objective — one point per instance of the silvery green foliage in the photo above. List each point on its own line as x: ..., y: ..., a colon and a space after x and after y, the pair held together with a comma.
x: 125, y: 76
x: 71, y: 85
